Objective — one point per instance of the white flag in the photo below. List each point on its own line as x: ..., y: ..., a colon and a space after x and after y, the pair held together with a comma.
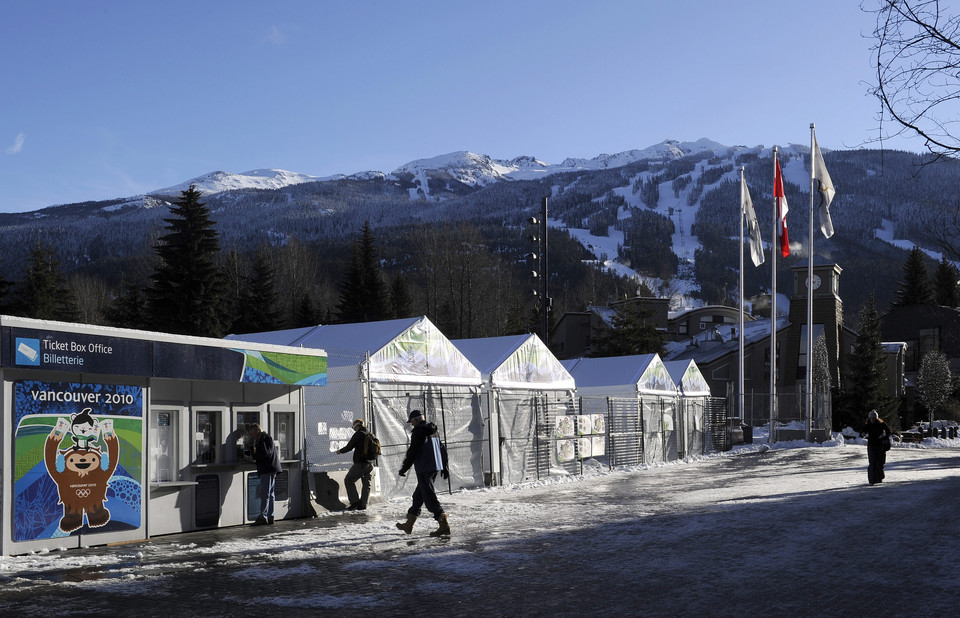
x: 824, y: 187
x: 746, y: 207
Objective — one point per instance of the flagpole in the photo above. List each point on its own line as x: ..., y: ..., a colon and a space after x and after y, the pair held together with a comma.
x: 810, y: 299
x: 775, y: 246
x: 740, y: 368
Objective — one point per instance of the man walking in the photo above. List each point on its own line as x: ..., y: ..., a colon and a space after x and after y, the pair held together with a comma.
x: 425, y: 455
x: 268, y: 464
x: 362, y: 468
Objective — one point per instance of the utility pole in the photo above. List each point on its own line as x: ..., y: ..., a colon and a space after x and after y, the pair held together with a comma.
x: 539, y: 259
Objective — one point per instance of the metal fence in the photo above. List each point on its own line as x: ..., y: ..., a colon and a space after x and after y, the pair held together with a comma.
x: 789, y: 415
x: 629, y: 432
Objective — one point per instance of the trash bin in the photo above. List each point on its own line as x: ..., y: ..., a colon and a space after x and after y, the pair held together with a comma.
x: 747, y: 433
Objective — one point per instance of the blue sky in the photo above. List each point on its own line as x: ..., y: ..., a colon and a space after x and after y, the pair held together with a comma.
x: 105, y: 99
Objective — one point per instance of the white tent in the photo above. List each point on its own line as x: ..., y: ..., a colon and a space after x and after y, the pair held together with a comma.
x: 640, y: 400
x: 524, y: 388
x: 380, y: 371
x: 694, y: 393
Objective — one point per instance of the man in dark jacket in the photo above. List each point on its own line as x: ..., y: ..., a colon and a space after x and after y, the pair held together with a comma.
x: 424, y: 454
x: 268, y: 464
x: 362, y: 468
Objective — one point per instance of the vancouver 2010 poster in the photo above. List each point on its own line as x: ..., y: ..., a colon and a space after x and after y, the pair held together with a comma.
x: 78, y: 460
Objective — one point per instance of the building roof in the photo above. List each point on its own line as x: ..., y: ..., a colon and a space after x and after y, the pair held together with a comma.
x: 518, y: 361
x: 404, y: 350
x: 643, y: 373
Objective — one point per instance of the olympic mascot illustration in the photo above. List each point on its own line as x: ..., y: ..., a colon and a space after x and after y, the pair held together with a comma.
x: 81, y: 473
x: 84, y: 428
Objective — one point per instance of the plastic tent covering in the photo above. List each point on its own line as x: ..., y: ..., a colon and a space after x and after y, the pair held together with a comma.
x: 694, y: 390
x: 688, y: 378
x: 525, y: 388
x: 380, y: 371
x: 641, y: 378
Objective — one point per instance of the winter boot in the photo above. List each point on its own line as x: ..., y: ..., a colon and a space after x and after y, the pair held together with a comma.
x: 444, y: 529
x: 408, y: 525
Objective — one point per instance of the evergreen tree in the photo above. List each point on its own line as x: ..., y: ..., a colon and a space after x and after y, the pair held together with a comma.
x: 867, y: 386
x: 126, y: 310
x: 363, y: 291
x: 401, y: 302
x: 915, y: 288
x: 5, y: 287
x: 821, y: 365
x: 945, y: 290
x: 631, y: 333
x: 44, y: 293
x: 306, y: 312
x: 258, y: 305
x: 186, y: 290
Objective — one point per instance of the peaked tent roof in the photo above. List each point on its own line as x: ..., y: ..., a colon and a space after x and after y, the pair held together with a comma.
x: 404, y: 350
x: 688, y: 378
x: 518, y: 361
x: 643, y: 374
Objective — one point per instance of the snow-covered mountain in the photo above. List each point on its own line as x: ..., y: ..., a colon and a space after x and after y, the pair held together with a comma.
x: 218, y: 182
x: 468, y: 168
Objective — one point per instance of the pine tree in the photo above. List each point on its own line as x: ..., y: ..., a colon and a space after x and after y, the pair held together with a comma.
x: 306, y: 312
x: 258, y: 305
x: 5, y: 287
x: 44, y: 293
x: 915, y: 288
x: 821, y: 365
x: 186, y: 290
x: 401, y: 302
x: 631, y: 333
x: 127, y: 308
x: 363, y: 291
x: 868, y: 374
x: 945, y: 290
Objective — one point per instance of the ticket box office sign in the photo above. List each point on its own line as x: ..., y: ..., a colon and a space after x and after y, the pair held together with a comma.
x: 78, y: 463
x: 27, y: 348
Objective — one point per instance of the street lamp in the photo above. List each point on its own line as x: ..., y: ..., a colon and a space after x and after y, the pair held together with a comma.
x: 542, y: 272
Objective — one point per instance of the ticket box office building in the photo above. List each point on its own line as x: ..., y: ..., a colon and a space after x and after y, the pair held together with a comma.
x: 114, y: 435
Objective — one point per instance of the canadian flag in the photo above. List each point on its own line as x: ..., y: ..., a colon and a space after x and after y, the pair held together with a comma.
x: 780, y: 198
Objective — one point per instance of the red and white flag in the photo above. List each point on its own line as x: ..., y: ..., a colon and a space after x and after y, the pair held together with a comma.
x: 780, y: 198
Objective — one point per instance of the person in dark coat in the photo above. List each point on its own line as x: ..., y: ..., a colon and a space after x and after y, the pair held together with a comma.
x: 876, y: 430
x: 361, y: 470
x: 267, y: 456
x: 425, y: 456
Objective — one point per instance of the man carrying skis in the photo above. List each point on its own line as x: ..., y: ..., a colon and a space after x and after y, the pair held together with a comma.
x: 425, y: 456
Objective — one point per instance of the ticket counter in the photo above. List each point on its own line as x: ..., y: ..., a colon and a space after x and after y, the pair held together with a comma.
x: 112, y: 435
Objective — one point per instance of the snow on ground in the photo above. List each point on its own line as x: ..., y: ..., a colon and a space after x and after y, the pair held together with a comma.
x: 782, y: 529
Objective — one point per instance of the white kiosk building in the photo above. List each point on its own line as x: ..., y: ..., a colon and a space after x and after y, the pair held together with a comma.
x: 112, y: 435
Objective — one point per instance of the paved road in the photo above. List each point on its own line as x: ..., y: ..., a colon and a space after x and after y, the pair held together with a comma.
x: 784, y: 532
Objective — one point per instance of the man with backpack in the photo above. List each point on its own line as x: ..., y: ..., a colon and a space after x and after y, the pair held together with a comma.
x: 365, y: 450
x: 426, y: 456
x: 266, y: 454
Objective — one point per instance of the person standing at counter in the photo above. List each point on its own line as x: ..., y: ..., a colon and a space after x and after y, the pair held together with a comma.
x: 266, y: 455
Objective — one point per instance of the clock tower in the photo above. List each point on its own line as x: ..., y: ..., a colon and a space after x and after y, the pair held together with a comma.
x: 824, y: 285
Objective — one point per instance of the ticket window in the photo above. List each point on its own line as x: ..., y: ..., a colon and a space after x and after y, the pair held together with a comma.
x: 243, y: 442
x: 206, y: 430
x: 284, y: 433
x: 164, y: 445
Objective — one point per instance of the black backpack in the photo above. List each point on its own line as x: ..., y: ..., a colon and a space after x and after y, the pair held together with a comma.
x: 371, y: 446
